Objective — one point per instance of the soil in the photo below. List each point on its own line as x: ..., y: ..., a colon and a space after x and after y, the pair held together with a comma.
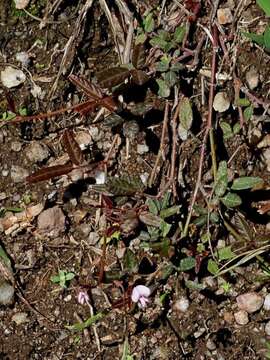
x: 60, y: 41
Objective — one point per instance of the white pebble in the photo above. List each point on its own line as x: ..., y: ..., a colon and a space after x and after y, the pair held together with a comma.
x: 23, y: 58
x: 21, y: 4
x: 181, y: 305
x: 221, y: 102
x: 241, y: 317
x: 20, y: 318
x: 11, y: 77
x: 249, y: 302
x: 266, y: 304
x: 267, y: 328
x: 142, y: 149
x: 252, y: 78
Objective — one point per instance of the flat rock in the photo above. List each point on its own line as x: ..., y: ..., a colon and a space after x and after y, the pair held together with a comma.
x: 51, y: 222
x: 252, y: 78
x: 11, y: 77
x: 37, y: 152
x: 224, y: 16
x: 221, y: 102
x: 20, y: 318
x: 250, y: 302
x: 241, y: 317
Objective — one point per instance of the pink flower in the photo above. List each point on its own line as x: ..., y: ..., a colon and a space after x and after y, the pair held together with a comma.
x: 140, y: 295
x: 83, y: 297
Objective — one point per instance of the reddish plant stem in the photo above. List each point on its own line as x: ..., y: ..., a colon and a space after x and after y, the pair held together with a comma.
x: 207, y: 130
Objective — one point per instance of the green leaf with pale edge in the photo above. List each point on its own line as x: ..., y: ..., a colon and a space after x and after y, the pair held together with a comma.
x: 265, y: 5
x: 246, y: 182
x: 248, y: 112
x: 187, y: 263
x: 163, y: 88
x: 225, y: 253
x: 185, y: 113
x: 149, y: 23
x: 226, y: 129
x: 259, y: 39
x: 212, y: 267
x: 179, y: 34
x: 231, y: 200
x: 222, y: 179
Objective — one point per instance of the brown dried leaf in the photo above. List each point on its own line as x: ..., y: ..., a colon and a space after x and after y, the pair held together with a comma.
x: 86, y: 107
x: 139, y: 77
x: 49, y: 173
x: 89, y: 89
x: 138, y: 56
x: 112, y: 76
x: 72, y: 147
x: 109, y: 103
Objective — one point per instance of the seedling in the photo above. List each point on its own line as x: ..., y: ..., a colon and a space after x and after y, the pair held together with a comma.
x: 63, y: 278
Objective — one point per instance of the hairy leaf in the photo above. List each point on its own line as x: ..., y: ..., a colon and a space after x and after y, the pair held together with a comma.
x: 125, y: 185
x: 49, y: 173
x: 222, y: 179
x: 246, y: 182
x: 89, y: 89
x: 72, y: 147
x: 231, y: 200
x: 185, y: 113
x: 112, y: 76
x: 138, y: 56
x: 139, y: 77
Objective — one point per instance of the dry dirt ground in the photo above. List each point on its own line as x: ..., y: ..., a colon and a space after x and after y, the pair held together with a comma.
x: 171, y: 214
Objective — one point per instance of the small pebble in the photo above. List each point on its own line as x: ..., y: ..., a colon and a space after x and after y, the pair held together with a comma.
x: 37, y: 152
x: 5, y: 173
x: 51, y: 221
x: 267, y: 328
x: 249, y: 302
x: 6, y: 293
x: 252, y: 78
x: 181, y: 305
x: 20, y: 318
x: 142, y: 149
x: 11, y: 77
x: 266, y: 304
x: 23, y: 58
x: 67, y: 298
x: 21, y: 4
x: 224, y: 16
x: 241, y: 317
x: 221, y: 102
x: 18, y: 173
x: 210, y: 345
x: 16, y: 146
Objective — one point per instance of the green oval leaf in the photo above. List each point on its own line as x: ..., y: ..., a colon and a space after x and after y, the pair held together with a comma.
x: 222, y: 179
x: 246, y: 182
x: 231, y: 200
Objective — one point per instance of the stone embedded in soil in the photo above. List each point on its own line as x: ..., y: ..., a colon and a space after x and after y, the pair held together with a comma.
x: 267, y: 328
x: 252, y: 78
x: 210, y: 345
x: 181, y: 305
x: 224, y: 16
x: 18, y: 173
x: 16, y: 146
x: 266, y: 158
x: 21, y: 4
x: 23, y: 57
x: 142, y: 149
x: 20, y: 318
x: 6, y: 293
x: 241, y: 317
x: 37, y: 152
x: 51, y: 222
x: 221, y: 102
x: 11, y: 77
x: 249, y: 302
x: 266, y: 304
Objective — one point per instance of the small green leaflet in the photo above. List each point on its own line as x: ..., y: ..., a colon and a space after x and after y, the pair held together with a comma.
x: 231, y: 200
x: 89, y: 322
x: 149, y: 23
x: 225, y: 253
x: 246, y: 182
x: 226, y: 129
x: 163, y: 88
x: 187, y: 263
x: 212, y: 267
x: 179, y: 34
x: 222, y: 179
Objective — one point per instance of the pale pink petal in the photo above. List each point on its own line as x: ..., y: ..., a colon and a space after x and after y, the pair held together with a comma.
x: 135, y: 295
x: 143, y: 290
